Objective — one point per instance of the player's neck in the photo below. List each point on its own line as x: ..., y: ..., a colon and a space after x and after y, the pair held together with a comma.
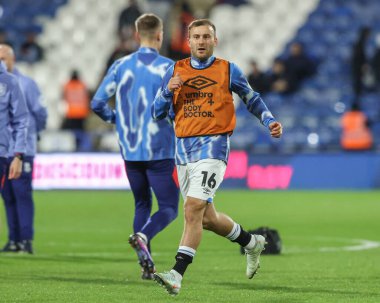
x: 150, y: 44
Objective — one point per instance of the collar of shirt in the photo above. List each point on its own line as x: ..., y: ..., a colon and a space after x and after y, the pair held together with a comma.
x: 197, y: 64
x: 3, y: 67
x: 16, y: 72
x: 147, y: 50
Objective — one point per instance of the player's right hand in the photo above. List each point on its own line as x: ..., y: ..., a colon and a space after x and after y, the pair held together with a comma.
x: 15, y: 168
x: 175, y: 82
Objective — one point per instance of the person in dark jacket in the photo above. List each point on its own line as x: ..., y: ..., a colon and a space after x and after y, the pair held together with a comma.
x: 359, y: 62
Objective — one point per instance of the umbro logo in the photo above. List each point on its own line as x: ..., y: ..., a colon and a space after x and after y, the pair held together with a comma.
x: 206, y: 191
x: 199, y: 82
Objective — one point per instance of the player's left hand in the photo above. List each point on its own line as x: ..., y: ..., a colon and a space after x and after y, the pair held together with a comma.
x: 275, y: 129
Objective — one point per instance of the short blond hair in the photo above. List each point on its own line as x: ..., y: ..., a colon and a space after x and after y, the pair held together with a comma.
x: 200, y: 22
x: 148, y: 24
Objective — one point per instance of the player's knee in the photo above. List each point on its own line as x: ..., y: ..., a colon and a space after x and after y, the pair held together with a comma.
x: 141, y: 206
x: 170, y: 212
x: 193, y: 210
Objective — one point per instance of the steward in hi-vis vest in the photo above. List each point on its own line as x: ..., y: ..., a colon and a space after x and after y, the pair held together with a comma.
x: 77, y: 99
x: 356, y: 135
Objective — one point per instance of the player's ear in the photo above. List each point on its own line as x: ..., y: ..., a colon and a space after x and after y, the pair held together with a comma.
x: 216, y: 41
x: 159, y: 36
x: 137, y: 37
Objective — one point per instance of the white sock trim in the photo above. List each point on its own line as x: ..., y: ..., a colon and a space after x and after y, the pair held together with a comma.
x: 143, y: 236
x: 251, y: 244
x: 235, y: 232
x: 187, y: 251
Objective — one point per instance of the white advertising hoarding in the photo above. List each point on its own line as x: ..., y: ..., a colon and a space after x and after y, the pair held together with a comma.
x: 79, y: 171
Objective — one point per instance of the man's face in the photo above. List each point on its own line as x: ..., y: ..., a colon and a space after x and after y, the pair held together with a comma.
x: 7, y: 58
x: 202, y: 41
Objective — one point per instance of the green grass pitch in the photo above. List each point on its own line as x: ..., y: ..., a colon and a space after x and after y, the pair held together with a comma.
x: 331, y: 251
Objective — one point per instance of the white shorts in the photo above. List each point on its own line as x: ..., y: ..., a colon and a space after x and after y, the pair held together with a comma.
x: 201, y: 179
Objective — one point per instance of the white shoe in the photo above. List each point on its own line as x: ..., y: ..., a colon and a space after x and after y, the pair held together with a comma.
x: 253, y: 256
x: 169, y: 281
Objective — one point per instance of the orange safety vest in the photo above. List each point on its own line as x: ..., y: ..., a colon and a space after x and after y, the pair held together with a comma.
x: 204, y: 104
x: 356, y: 135
x: 77, y: 99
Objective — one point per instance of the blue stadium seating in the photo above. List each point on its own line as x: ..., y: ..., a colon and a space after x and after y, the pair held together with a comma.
x: 328, y: 35
x: 18, y: 17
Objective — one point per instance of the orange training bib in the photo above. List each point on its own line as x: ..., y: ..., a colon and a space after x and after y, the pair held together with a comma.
x: 204, y: 104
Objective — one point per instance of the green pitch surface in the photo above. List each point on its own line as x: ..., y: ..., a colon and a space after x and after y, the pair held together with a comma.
x: 331, y: 251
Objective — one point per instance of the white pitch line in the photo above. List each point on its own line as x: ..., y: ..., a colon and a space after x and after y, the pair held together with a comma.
x: 362, y: 244
x: 354, y: 245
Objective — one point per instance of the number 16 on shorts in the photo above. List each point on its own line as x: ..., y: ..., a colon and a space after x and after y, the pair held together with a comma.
x: 201, y: 179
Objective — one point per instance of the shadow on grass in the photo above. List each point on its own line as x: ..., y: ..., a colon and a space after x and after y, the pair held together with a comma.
x: 87, y: 280
x: 287, y: 289
x: 70, y: 259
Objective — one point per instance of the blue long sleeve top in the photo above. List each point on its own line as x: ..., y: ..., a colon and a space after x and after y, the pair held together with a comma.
x: 13, y: 114
x: 192, y: 149
x: 135, y: 81
x: 37, y: 112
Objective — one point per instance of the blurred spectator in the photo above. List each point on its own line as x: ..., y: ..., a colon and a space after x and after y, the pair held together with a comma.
x: 4, y: 38
x: 356, y: 134
x: 77, y: 100
x: 30, y: 50
x: 77, y: 105
x: 359, y: 62
x: 256, y: 78
x: 179, y: 46
x: 124, y: 48
x: 376, y: 63
x: 280, y: 80
x: 127, y: 19
x: 298, y: 63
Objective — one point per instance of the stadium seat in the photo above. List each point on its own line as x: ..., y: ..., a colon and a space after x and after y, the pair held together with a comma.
x: 57, y: 141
